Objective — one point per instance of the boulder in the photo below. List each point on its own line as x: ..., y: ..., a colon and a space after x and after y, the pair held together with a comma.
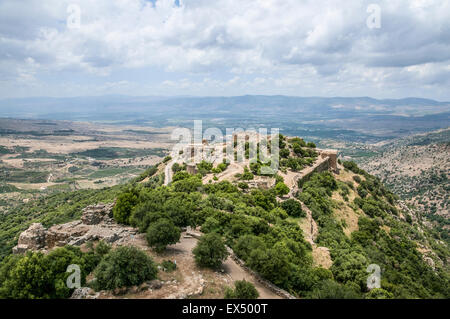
x: 33, y: 238
x: 154, y: 284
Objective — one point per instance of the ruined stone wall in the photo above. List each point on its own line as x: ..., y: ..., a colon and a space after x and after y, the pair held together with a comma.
x: 96, y: 224
x: 332, y: 159
x: 321, y: 166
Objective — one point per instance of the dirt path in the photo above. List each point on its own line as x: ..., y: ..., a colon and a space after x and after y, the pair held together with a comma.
x: 168, y: 173
x: 190, y: 281
x: 232, y: 270
x: 236, y: 272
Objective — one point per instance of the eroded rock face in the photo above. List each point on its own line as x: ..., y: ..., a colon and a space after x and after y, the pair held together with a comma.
x: 31, y: 239
x: 96, y: 224
x: 96, y: 214
x: 60, y: 235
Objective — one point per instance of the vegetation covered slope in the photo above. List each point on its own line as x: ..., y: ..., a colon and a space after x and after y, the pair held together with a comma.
x: 255, y: 225
x: 358, y: 219
x: 417, y: 168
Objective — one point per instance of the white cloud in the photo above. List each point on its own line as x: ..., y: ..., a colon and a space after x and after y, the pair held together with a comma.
x: 286, y: 45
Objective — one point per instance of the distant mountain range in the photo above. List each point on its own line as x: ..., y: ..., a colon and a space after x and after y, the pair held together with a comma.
x: 369, y: 116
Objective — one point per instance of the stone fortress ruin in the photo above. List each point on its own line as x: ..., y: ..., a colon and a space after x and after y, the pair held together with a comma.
x: 193, y: 153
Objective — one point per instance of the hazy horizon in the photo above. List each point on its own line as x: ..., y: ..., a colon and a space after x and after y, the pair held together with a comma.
x: 227, y: 96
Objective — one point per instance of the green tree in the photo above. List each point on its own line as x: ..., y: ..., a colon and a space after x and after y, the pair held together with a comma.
x: 176, y: 167
x: 180, y: 176
x: 161, y: 234
x: 293, y: 208
x: 123, y: 267
x: 26, y: 278
x: 204, y: 167
x: 37, y: 276
x: 124, y: 206
x: 281, y: 189
x: 272, y: 264
x: 279, y: 212
x: 210, y: 251
x: 247, y: 175
x: 284, y: 153
x: 350, y: 267
x: 188, y: 185
x: 210, y: 225
x: 362, y: 191
x: 242, y: 290
x: 243, y: 185
x: 379, y: 293
x: 329, y: 289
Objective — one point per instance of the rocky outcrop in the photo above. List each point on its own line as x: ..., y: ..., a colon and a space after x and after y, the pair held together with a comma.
x: 96, y: 224
x: 31, y: 239
x: 95, y: 214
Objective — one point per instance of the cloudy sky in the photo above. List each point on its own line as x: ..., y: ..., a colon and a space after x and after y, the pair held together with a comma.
x: 225, y: 47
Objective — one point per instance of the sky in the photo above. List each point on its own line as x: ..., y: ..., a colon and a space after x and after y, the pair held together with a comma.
x: 382, y: 49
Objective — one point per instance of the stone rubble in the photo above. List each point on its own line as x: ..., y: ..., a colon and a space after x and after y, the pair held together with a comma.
x: 96, y: 224
x: 84, y: 293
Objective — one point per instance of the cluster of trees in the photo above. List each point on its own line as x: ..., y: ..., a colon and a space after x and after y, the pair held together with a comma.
x: 149, y: 172
x: 255, y: 225
x: 304, y: 153
x: 226, y: 216
x: 221, y: 167
x: 44, y: 276
x: 177, y: 167
x: 247, y: 175
x: 395, y: 251
x: 38, y: 275
x: 316, y: 194
x: 204, y: 167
